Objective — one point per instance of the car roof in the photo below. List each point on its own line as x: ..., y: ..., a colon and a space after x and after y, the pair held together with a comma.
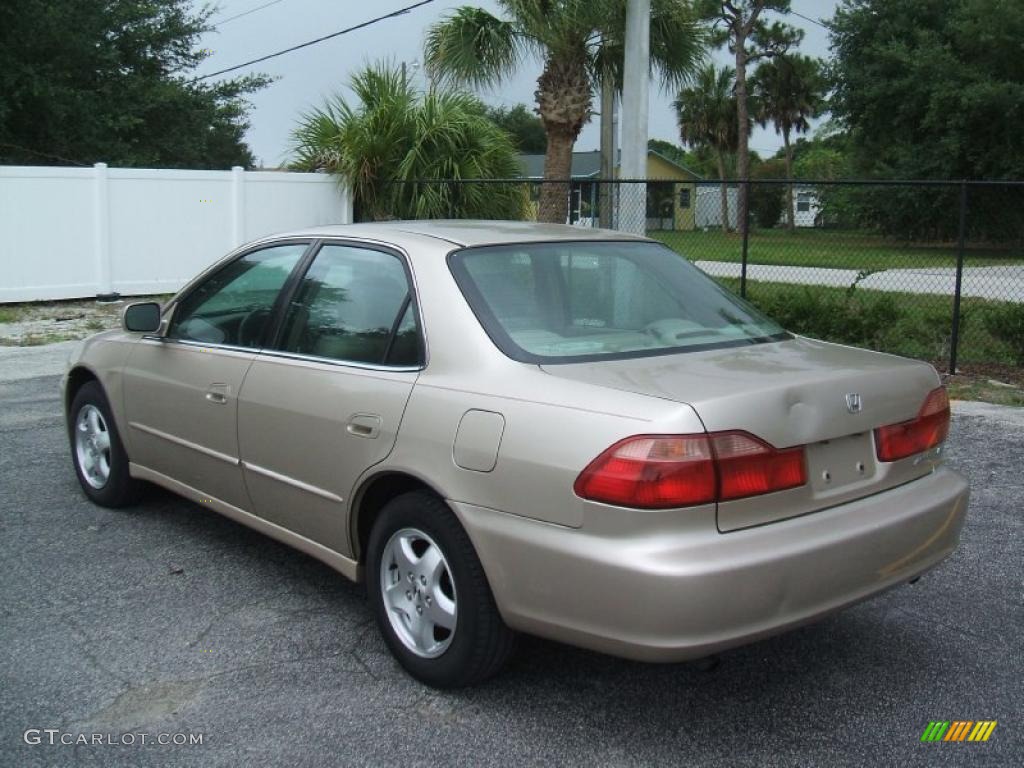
x: 468, y: 232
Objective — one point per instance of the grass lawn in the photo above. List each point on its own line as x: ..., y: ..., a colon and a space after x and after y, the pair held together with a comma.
x: 839, y: 249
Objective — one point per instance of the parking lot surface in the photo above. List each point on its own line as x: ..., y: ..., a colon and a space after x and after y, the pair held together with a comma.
x: 167, y: 619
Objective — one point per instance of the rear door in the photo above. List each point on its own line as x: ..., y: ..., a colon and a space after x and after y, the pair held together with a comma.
x: 181, y: 389
x: 324, y: 401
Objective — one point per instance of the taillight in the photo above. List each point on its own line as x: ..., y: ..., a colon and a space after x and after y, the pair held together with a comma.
x: 748, y: 466
x: 665, y: 471
x: 897, y: 441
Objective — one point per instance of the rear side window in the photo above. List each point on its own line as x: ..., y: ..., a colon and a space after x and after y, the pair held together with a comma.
x: 576, y: 301
x: 353, y: 305
x: 233, y: 305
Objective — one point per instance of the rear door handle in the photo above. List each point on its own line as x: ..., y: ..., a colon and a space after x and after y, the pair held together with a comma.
x: 364, y: 425
x: 217, y: 393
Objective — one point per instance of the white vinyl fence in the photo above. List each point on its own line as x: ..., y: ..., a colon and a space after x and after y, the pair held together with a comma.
x: 76, y: 232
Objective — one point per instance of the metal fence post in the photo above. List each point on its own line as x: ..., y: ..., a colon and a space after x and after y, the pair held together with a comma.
x: 746, y: 241
x: 954, y: 336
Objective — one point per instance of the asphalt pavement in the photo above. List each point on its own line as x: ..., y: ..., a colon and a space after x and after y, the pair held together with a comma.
x: 166, y: 619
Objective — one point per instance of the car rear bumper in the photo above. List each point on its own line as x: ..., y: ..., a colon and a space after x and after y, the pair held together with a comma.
x: 668, y: 596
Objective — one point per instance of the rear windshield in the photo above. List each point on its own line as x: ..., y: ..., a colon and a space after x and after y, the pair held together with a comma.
x: 580, y: 301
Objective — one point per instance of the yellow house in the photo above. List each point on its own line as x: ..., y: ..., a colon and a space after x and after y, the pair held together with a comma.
x: 671, y: 188
x: 671, y: 193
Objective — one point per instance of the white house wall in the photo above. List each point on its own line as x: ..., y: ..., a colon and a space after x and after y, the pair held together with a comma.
x: 708, y: 211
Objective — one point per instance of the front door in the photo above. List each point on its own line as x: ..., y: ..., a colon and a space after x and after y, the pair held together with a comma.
x: 181, y: 389
x: 325, y: 402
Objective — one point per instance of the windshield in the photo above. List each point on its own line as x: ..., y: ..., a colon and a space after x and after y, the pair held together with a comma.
x: 579, y: 300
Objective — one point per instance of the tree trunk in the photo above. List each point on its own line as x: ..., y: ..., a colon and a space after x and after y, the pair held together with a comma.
x: 563, y: 102
x: 554, y: 195
x: 743, y: 118
x: 790, y: 211
x: 725, y: 192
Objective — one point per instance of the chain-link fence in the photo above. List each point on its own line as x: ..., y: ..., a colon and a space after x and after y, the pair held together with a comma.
x: 933, y: 270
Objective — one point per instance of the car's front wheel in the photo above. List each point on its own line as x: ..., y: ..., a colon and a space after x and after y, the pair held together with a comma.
x: 430, y: 596
x: 97, y: 451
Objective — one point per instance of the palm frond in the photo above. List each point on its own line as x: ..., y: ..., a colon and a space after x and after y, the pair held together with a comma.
x: 679, y: 43
x: 392, y: 136
x: 471, y: 46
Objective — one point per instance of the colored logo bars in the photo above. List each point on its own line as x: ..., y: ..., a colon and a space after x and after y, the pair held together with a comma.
x: 958, y: 730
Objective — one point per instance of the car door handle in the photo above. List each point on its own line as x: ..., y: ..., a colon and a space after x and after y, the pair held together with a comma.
x: 364, y: 425
x: 217, y: 394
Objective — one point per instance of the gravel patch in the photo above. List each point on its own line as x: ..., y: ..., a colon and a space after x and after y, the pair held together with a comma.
x: 27, y: 325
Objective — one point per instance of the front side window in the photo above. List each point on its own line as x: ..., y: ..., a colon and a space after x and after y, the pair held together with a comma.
x: 576, y: 301
x: 233, y: 306
x: 353, y: 305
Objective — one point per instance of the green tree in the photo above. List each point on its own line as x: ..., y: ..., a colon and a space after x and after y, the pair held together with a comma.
x: 788, y: 90
x: 740, y: 26
x: 767, y: 201
x: 706, y: 114
x: 526, y: 128
x: 580, y: 43
x: 110, y: 81
x: 396, y: 136
x: 932, y: 89
x: 821, y: 158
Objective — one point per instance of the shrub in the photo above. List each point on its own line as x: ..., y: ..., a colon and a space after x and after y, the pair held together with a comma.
x: 1006, y: 323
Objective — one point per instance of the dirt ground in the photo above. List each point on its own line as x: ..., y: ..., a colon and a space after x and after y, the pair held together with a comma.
x: 35, y: 324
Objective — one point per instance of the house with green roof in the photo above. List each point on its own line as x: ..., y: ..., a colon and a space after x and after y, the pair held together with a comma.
x: 671, y: 189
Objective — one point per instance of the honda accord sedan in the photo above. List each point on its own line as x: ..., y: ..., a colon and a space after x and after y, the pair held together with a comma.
x: 509, y: 427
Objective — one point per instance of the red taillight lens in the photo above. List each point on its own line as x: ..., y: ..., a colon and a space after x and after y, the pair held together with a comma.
x: 748, y: 466
x: 665, y: 471
x: 897, y: 441
x: 653, y: 472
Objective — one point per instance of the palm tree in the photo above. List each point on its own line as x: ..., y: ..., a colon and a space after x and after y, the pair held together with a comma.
x: 707, y: 117
x: 396, y: 136
x: 789, y: 90
x: 581, y: 45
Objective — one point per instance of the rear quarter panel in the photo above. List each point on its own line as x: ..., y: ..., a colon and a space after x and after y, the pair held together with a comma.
x: 553, y: 429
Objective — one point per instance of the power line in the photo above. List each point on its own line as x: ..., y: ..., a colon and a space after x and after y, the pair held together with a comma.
x: 316, y: 41
x: 220, y: 22
x: 819, y: 22
x: 43, y: 154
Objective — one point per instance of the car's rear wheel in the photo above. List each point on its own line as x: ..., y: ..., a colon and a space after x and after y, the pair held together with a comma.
x: 430, y: 596
x: 101, y: 463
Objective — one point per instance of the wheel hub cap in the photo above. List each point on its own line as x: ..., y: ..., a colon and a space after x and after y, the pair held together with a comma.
x: 92, y: 446
x: 419, y: 592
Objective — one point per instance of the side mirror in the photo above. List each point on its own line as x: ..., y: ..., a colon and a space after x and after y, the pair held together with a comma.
x: 141, y: 317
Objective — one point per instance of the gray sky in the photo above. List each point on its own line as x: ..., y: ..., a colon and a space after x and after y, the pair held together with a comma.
x: 307, y: 76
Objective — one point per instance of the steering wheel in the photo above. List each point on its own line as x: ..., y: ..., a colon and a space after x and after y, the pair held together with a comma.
x: 250, y: 329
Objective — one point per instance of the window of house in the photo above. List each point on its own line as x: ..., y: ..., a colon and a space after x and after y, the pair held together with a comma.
x: 684, y: 198
x: 803, y: 202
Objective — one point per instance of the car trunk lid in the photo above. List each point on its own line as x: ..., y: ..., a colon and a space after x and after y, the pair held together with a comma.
x: 823, y: 396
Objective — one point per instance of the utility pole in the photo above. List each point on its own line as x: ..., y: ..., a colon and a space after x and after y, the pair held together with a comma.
x: 636, y: 78
x: 608, y: 131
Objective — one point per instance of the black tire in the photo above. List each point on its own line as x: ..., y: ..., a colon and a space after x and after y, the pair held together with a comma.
x: 481, y: 643
x: 120, y: 488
